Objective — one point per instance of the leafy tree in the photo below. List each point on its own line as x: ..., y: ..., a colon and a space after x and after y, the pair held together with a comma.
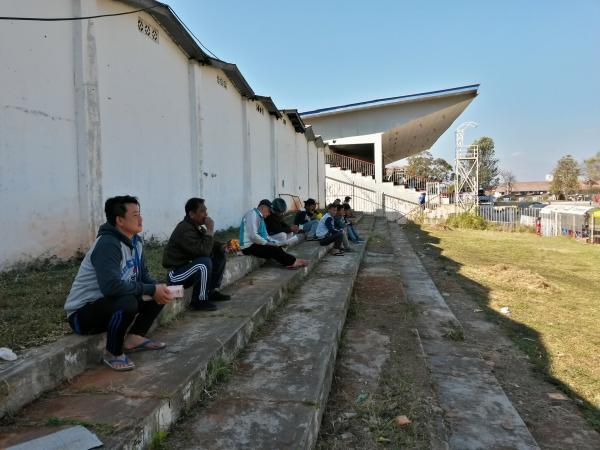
x: 565, y: 176
x: 442, y: 170
x: 419, y: 165
x: 424, y: 165
x: 488, y: 163
x: 591, y: 169
x: 507, y: 179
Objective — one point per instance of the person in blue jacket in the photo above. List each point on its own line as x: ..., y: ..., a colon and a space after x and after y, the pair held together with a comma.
x: 107, y: 292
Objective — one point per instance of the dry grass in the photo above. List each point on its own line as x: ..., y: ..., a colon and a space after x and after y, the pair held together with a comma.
x: 552, y: 288
x: 32, y: 297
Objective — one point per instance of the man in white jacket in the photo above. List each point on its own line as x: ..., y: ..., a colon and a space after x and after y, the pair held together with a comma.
x: 255, y: 241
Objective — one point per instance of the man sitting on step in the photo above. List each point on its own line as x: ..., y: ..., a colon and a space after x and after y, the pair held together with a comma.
x: 306, y: 219
x: 277, y: 229
x: 327, y: 233
x: 195, y: 258
x: 107, y: 292
x: 255, y: 241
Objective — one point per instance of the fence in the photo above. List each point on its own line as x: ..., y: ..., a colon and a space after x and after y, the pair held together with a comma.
x: 399, y: 176
x: 355, y: 165
x: 509, y: 217
x: 371, y: 201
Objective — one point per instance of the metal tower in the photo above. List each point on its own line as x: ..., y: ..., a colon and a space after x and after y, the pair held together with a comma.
x: 466, y: 184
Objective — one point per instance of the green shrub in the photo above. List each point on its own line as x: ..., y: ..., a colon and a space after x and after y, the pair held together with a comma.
x: 467, y: 220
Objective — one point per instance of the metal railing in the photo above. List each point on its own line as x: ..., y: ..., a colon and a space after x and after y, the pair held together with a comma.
x: 371, y: 201
x: 353, y: 164
x: 510, y: 217
x: 398, y: 176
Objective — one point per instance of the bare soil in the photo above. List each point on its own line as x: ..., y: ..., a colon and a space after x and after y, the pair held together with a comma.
x: 380, y: 375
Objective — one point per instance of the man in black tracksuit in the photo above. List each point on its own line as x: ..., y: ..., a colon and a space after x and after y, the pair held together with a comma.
x: 193, y: 257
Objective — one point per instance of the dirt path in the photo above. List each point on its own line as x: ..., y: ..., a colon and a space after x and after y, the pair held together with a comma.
x: 552, y: 418
x: 380, y: 374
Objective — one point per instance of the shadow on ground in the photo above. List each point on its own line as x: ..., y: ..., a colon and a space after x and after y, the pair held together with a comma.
x: 522, y: 366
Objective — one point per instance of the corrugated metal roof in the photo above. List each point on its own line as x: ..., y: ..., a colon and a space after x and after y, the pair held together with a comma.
x: 380, y: 102
x: 577, y: 210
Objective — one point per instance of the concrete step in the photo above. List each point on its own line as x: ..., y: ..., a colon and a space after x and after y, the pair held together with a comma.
x: 277, y: 395
x: 475, y: 407
x: 40, y: 369
x: 127, y: 409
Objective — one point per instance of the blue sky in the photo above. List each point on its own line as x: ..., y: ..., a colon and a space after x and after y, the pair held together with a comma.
x: 538, y: 63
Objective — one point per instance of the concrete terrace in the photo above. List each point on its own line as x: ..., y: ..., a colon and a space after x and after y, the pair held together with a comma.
x: 277, y: 394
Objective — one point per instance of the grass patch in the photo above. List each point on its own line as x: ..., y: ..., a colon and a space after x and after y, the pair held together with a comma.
x: 550, y: 286
x: 159, y: 440
x: 100, y: 428
x: 220, y: 370
x: 32, y: 296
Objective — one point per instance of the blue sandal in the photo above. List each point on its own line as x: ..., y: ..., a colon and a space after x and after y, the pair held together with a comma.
x: 148, y: 344
x: 119, y: 364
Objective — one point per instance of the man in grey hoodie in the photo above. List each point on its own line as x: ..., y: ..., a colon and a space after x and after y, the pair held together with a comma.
x: 107, y: 292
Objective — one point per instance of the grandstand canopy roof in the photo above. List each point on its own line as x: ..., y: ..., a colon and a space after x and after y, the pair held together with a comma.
x: 409, y: 124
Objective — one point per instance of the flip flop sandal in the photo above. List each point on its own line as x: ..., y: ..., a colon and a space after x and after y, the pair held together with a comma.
x: 147, y: 345
x: 119, y: 364
x: 340, y: 253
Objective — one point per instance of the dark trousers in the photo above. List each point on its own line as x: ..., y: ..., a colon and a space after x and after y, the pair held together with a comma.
x: 204, y: 273
x: 336, y: 237
x: 270, y: 252
x: 115, y: 315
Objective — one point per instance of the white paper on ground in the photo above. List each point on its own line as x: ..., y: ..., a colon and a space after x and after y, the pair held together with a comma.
x: 73, y: 438
x: 7, y: 354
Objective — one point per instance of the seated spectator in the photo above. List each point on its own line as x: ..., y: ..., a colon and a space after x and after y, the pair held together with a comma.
x: 194, y: 258
x: 276, y: 227
x: 255, y: 241
x: 108, y: 288
x: 348, y: 209
x: 306, y: 218
x: 340, y: 224
x: 327, y: 233
x: 352, y: 233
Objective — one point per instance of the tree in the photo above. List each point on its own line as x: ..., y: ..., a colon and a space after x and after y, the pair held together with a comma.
x: 442, y: 170
x: 419, y: 165
x: 507, y: 179
x: 424, y: 165
x: 591, y: 169
x: 565, y: 176
x: 488, y: 163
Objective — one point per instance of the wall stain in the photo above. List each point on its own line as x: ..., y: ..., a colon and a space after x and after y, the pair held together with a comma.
x: 36, y: 112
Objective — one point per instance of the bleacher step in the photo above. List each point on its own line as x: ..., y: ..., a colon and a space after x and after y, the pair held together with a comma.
x: 127, y: 409
x: 475, y: 407
x: 278, y: 393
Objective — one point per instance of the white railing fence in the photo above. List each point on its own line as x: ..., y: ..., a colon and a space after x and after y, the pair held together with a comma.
x: 353, y: 164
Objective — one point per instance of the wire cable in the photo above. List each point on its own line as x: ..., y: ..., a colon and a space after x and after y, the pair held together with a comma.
x: 64, y: 19
x: 192, y: 33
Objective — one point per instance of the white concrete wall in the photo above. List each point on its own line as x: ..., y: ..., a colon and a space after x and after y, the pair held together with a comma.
x: 91, y: 109
x: 286, y: 157
x: 38, y: 142
x: 145, y: 118
x: 313, y: 184
x: 222, y: 126
x: 262, y: 164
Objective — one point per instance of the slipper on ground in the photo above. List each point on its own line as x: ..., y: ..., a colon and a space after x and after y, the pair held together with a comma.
x: 119, y: 364
x: 148, y: 344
